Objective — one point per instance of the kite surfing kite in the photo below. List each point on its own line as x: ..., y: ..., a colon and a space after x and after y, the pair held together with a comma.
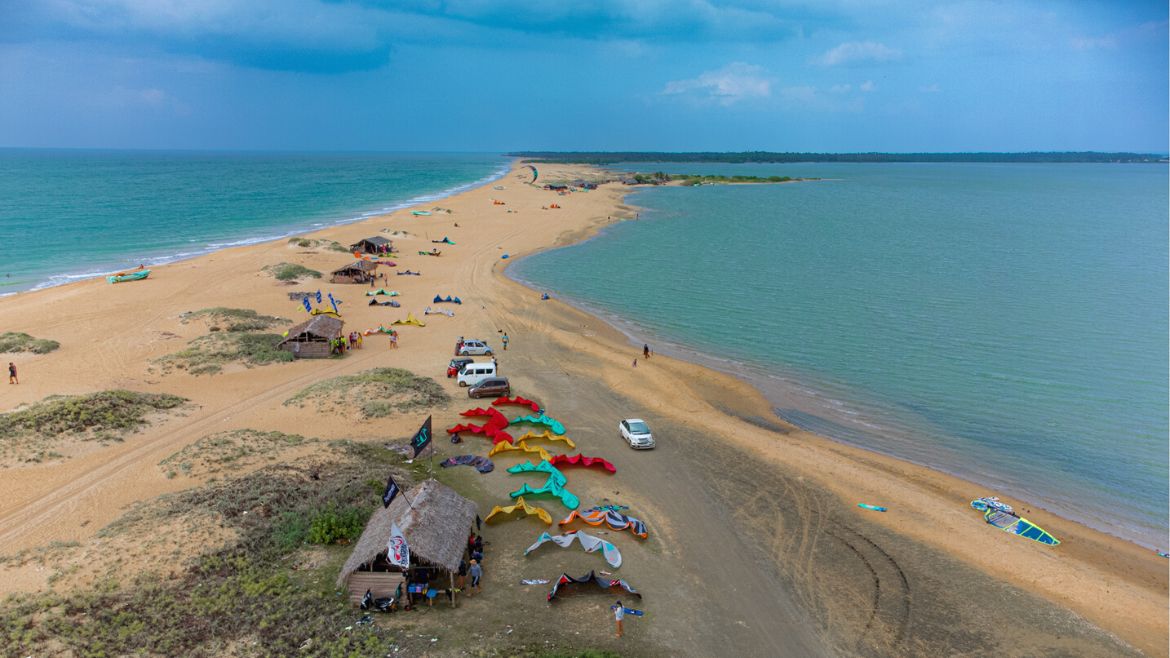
x: 410, y: 319
x: 535, y: 174
x: 447, y: 299
x: 590, y: 543
x: 492, y: 433
x: 523, y: 402
x: 552, y: 423
x: 504, y: 446
x: 496, y: 419
x: 547, y: 436
x: 610, y: 517
x: 481, y: 464
x: 507, y: 513
x: 552, y: 489
x: 566, y: 582
x: 581, y: 460
x: 543, y: 467
x: 1003, y: 517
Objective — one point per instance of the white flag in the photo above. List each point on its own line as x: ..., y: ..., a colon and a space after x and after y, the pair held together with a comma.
x: 397, y: 552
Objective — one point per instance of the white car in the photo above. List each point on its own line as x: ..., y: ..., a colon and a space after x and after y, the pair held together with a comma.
x: 475, y: 348
x: 636, y: 433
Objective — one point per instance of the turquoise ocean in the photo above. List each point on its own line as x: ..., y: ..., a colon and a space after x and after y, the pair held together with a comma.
x: 1002, y: 322
x: 68, y: 215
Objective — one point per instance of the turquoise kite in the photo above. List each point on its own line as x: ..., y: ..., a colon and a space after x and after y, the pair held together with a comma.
x: 535, y: 174
x: 551, y: 489
x: 543, y: 467
x: 552, y: 423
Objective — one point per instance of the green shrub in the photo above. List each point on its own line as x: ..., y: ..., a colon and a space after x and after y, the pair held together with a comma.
x: 116, y: 412
x: 291, y: 272
x: 15, y: 341
x: 333, y: 526
x: 206, y: 355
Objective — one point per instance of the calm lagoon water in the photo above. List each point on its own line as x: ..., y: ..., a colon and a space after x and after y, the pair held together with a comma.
x: 1003, y: 322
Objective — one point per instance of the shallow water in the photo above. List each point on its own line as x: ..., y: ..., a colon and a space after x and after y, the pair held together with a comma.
x: 1006, y: 323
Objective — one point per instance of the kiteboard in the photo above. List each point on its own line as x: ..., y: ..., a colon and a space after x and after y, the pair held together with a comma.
x: 872, y: 507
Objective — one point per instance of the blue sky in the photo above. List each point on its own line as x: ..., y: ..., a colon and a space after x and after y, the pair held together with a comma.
x: 493, y: 75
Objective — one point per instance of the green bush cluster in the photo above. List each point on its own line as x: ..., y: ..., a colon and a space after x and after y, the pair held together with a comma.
x: 15, y: 341
x: 237, y: 319
x: 116, y: 411
x: 376, y: 393
x: 291, y: 272
x: 333, y: 526
x: 207, y: 354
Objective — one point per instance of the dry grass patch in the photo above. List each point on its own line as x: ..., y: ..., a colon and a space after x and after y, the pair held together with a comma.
x: 230, y: 451
x: 15, y: 341
x: 374, y: 393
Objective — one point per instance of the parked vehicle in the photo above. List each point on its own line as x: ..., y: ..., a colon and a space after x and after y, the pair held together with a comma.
x: 492, y: 387
x: 457, y: 364
x: 475, y: 348
x: 474, y: 373
x: 636, y: 432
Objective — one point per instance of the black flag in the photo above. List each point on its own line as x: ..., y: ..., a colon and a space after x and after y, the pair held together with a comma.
x: 422, y: 438
x: 391, y: 491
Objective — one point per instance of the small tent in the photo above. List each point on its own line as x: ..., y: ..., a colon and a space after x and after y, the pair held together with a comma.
x: 436, y: 523
x: 311, y: 338
x: 374, y: 245
x: 359, y: 271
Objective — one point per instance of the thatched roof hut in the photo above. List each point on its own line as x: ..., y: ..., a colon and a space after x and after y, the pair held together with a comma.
x: 311, y: 338
x: 358, y: 271
x: 374, y: 245
x: 436, y: 524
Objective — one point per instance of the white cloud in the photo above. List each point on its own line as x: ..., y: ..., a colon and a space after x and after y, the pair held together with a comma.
x: 729, y: 85
x: 867, y: 86
x: 852, y: 52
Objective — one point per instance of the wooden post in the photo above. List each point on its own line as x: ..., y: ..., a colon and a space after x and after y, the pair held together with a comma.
x: 451, y: 579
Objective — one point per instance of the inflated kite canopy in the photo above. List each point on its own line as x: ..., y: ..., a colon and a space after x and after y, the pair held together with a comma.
x: 543, y: 467
x: 521, y: 507
x: 495, y: 418
x: 481, y: 464
x: 382, y: 291
x: 523, y: 402
x: 504, y: 446
x: 550, y: 489
x: 447, y: 299
x: 581, y: 460
x: 590, y: 543
x: 567, y: 583
x: 410, y: 319
x: 615, y: 520
x: 547, y: 435
x: 492, y: 433
x: 552, y: 423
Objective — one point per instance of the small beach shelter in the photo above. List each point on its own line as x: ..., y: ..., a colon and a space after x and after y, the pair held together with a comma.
x: 311, y: 338
x: 359, y: 271
x: 374, y: 245
x: 436, y: 523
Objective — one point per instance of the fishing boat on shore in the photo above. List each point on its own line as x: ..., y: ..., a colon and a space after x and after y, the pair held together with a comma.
x: 122, y: 277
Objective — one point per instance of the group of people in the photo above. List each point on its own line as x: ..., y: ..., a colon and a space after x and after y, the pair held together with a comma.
x: 474, y: 567
x: 342, y: 343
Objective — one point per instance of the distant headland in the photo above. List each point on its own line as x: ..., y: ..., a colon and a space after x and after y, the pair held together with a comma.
x: 610, y: 157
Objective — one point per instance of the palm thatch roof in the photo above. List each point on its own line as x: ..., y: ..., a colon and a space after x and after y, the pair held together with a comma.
x: 322, y: 326
x: 357, y: 265
x: 435, y: 524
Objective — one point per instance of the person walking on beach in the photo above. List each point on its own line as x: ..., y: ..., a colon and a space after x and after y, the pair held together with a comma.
x: 635, y: 362
x: 394, y: 341
x: 12, y: 373
x: 505, y: 339
x: 646, y: 351
x: 476, y: 572
x: 619, y: 613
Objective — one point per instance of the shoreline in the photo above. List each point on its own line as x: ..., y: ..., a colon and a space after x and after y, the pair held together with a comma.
x: 746, y: 373
x: 293, y: 229
x: 1075, y: 577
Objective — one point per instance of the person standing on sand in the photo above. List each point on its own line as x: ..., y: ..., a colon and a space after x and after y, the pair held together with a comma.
x: 505, y: 339
x: 476, y: 573
x: 646, y: 351
x: 635, y: 362
x: 619, y: 613
x: 12, y: 373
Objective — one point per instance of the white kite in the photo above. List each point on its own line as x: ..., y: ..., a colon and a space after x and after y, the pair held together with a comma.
x: 590, y: 543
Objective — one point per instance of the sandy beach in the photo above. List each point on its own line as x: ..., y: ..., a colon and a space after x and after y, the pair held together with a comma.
x: 757, y: 543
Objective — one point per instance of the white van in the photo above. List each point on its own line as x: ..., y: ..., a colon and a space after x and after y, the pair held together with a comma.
x: 474, y: 373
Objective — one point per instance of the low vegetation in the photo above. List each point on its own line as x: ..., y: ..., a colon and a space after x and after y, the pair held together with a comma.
x: 662, y: 178
x: 234, y: 319
x: 15, y: 341
x: 311, y: 243
x: 245, y: 599
x: 104, y: 417
x: 291, y: 272
x: 206, y: 355
x: 232, y: 450
x: 374, y: 393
